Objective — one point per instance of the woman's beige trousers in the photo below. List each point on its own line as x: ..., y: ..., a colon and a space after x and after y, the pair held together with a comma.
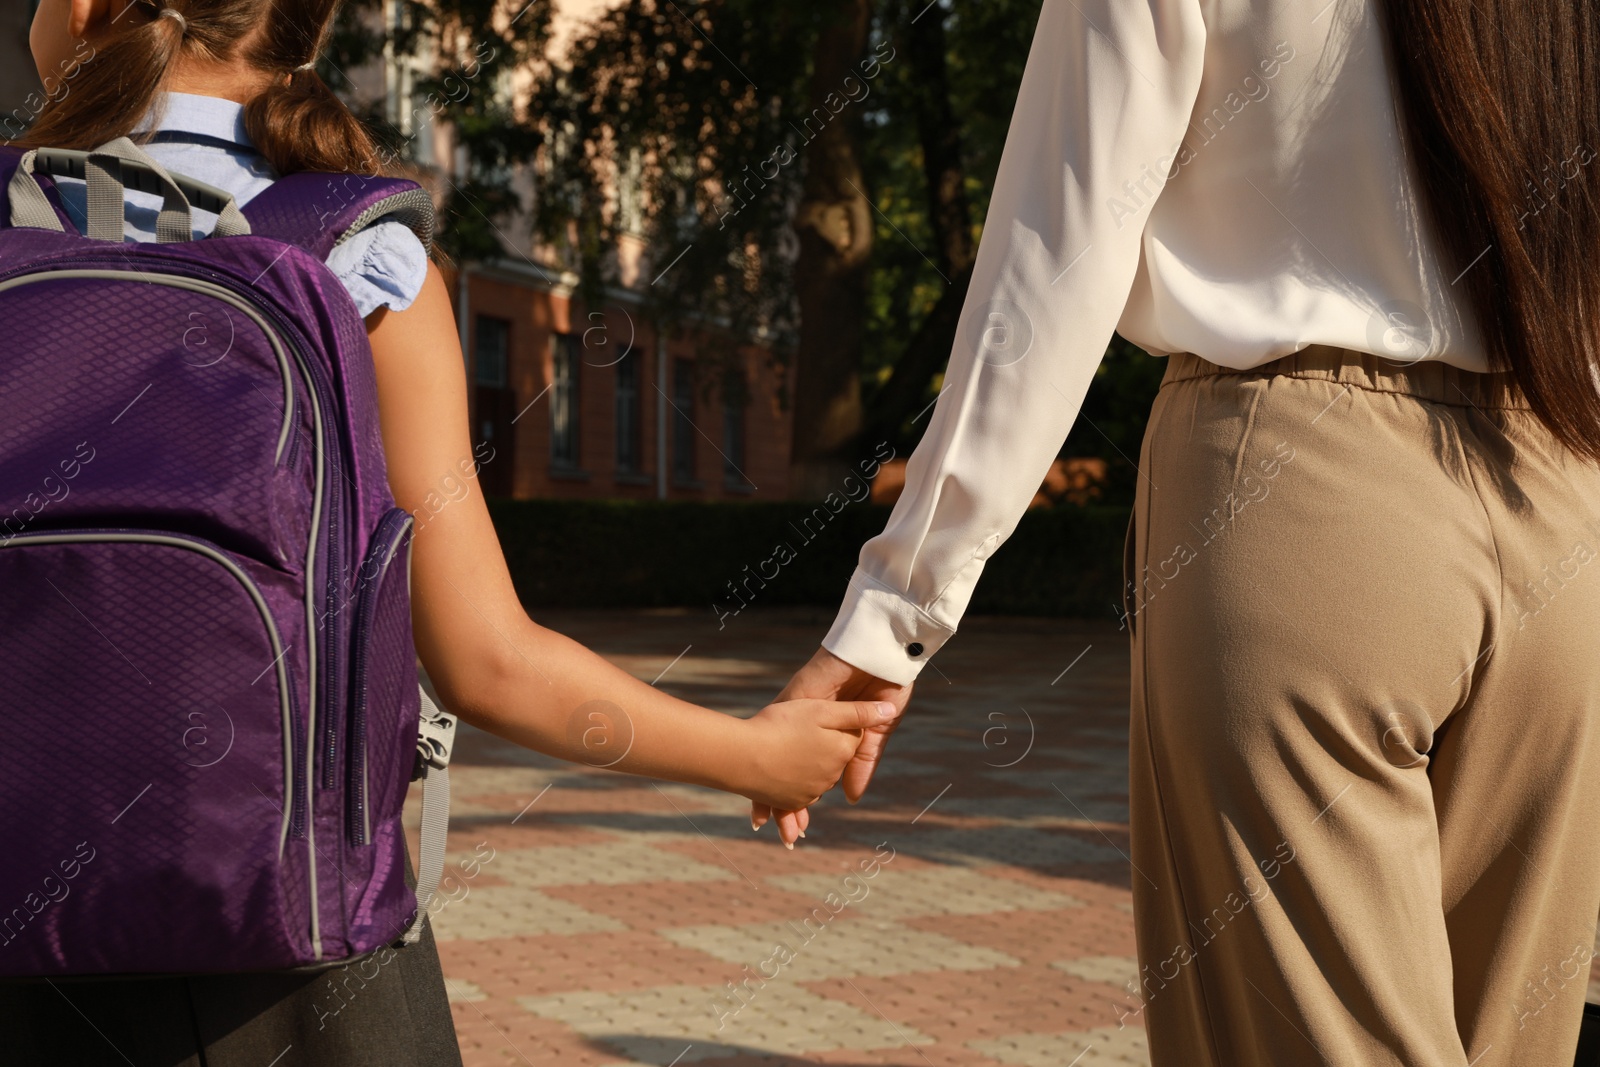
x: 1365, y: 608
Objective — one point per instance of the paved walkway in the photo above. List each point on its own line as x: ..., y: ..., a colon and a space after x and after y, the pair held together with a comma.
x: 972, y: 910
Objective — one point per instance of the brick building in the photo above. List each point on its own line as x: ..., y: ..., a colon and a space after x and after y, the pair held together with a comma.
x: 588, y: 401
x: 596, y: 403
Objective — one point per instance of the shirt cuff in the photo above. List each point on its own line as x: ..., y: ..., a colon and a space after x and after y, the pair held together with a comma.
x: 881, y: 632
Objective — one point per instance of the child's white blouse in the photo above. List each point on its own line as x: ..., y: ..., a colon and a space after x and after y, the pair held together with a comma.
x: 204, y: 138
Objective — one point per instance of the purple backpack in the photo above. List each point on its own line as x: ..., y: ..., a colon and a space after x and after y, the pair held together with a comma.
x: 205, y: 629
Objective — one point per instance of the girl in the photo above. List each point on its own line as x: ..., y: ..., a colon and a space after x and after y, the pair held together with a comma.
x: 1365, y: 765
x: 225, y: 92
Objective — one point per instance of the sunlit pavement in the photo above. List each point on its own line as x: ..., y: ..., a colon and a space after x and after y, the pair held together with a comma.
x: 972, y: 910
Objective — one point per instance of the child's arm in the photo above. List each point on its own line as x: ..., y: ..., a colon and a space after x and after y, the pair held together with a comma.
x: 499, y: 670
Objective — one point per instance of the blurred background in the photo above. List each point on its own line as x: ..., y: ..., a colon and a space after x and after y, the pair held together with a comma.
x: 714, y: 253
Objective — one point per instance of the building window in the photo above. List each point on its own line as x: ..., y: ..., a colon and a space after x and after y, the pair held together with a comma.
x: 494, y: 342
x: 683, y: 431
x: 735, y: 398
x: 494, y: 403
x: 629, y: 457
x: 564, y: 378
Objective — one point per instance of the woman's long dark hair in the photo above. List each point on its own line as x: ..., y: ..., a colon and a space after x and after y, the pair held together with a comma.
x: 296, y: 122
x: 1500, y: 103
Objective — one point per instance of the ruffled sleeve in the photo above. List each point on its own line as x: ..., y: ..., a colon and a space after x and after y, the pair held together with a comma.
x: 382, y: 266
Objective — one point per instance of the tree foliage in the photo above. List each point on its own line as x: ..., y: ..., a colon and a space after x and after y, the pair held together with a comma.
x: 475, y: 63
x: 683, y: 128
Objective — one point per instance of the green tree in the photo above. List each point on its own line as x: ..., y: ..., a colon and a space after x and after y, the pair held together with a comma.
x: 475, y: 49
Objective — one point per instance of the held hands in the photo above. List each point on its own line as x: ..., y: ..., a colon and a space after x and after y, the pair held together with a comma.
x: 802, y: 746
x: 826, y: 677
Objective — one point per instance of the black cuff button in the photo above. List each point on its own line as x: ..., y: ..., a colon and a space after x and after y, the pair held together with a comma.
x: 914, y: 648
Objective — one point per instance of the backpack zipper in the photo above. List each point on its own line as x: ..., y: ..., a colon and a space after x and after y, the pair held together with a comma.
x: 387, y: 540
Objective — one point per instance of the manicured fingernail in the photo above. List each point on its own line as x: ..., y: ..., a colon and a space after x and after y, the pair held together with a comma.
x: 802, y: 833
x: 789, y: 845
x: 885, y: 710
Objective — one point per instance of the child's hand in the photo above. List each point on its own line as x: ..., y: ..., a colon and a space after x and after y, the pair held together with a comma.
x: 801, y: 747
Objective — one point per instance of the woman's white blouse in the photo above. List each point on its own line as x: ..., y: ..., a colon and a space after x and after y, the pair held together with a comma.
x: 1222, y: 177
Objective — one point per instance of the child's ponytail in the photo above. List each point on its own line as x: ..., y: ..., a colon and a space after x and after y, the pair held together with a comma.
x: 299, y: 124
x: 296, y: 121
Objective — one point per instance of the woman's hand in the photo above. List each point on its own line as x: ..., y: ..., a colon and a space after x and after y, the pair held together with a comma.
x: 799, y: 748
x: 827, y: 677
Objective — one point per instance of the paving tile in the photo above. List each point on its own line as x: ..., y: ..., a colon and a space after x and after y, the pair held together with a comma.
x: 819, y: 944
x: 1025, y: 804
x: 618, y: 862
x: 1119, y: 971
x: 600, y: 790
x: 712, y: 1023
x: 1051, y: 843
x: 963, y: 1006
x: 497, y: 832
x: 463, y: 990
x: 514, y: 910
x: 898, y: 894
x: 943, y: 1054
x: 1055, y: 776
x: 1091, y: 891
x: 503, y: 1034
x: 1105, y: 1047
x: 606, y: 962
x: 829, y: 848
x: 469, y: 780
x: 1013, y: 845
x: 541, y: 965
x: 655, y: 905
x: 1036, y: 937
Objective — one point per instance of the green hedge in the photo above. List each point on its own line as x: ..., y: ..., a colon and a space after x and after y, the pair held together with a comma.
x: 1063, y: 561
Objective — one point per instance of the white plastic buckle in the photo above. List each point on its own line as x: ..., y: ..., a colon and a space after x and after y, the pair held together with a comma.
x: 436, y: 735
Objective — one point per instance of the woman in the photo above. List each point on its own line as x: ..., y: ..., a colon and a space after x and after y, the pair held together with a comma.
x: 225, y: 91
x: 1365, y: 756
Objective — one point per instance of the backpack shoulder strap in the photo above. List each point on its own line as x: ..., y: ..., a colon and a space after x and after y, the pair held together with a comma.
x: 318, y: 211
x: 10, y: 160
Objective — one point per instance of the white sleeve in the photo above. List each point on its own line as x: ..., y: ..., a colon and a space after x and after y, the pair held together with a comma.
x: 382, y: 266
x: 1104, y: 103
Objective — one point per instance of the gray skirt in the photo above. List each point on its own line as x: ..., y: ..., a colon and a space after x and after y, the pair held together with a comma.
x: 390, y: 1010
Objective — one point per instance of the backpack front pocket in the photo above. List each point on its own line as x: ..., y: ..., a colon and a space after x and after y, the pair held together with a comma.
x: 152, y: 722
